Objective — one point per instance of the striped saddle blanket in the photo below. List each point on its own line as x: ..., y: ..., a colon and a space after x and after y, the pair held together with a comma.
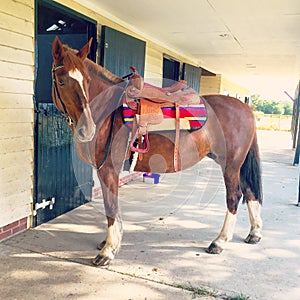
x: 192, y: 117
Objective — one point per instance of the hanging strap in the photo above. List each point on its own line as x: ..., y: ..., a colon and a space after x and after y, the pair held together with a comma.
x: 177, y: 137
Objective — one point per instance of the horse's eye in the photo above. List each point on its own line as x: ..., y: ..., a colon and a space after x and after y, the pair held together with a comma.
x: 61, y: 83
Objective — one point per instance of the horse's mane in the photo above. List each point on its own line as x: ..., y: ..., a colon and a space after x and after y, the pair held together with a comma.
x: 102, y: 72
x: 71, y: 61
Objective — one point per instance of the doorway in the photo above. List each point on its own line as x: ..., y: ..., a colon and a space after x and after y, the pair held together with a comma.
x: 61, y: 181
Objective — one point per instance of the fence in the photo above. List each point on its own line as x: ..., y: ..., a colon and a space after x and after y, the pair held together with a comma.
x: 273, y: 122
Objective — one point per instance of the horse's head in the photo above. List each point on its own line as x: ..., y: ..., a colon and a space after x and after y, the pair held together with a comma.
x: 70, y: 88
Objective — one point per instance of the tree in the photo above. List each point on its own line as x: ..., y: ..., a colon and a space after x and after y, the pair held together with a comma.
x: 255, y: 102
x: 288, y: 108
x: 271, y: 107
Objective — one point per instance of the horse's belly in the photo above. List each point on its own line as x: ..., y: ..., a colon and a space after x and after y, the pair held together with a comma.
x: 192, y: 147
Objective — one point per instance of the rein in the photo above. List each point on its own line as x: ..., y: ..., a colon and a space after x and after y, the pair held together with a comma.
x: 110, y: 136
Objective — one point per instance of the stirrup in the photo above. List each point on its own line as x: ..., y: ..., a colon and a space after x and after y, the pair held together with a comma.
x: 140, y: 150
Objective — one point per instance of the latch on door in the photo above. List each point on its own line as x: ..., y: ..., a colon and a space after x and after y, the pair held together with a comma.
x: 43, y: 205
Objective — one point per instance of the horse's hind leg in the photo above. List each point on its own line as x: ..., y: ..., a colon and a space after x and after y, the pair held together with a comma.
x: 252, y: 190
x: 256, y: 222
x: 233, y: 195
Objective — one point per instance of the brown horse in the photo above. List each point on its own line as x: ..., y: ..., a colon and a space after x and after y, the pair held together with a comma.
x: 89, y: 96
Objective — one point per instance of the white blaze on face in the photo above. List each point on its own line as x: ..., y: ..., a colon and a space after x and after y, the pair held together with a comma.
x: 85, y: 128
x: 76, y: 74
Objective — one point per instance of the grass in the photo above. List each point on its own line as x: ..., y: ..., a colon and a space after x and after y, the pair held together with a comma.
x: 240, y: 297
x: 206, y: 292
x: 197, y: 291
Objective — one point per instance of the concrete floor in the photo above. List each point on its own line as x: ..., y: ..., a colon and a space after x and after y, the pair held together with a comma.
x: 166, y: 230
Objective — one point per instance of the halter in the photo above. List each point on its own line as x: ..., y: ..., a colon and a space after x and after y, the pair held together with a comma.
x: 57, y: 96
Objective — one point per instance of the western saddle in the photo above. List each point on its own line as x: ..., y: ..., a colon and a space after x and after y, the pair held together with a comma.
x: 148, y: 101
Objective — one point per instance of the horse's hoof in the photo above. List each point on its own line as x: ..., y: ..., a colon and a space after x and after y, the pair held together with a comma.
x: 214, y: 249
x: 100, y: 260
x: 252, y: 239
x: 101, y: 245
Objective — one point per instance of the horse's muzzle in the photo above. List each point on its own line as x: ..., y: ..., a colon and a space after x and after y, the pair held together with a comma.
x: 85, y: 134
x: 85, y: 129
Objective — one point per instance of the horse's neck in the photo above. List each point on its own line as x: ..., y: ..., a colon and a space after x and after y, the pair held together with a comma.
x: 101, y: 79
x: 97, y: 87
x: 105, y: 92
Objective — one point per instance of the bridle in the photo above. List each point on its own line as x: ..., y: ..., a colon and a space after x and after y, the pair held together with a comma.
x: 57, y: 96
x: 71, y: 122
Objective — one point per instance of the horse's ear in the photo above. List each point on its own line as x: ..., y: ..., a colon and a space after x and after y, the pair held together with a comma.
x: 57, y: 49
x: 85, y: 50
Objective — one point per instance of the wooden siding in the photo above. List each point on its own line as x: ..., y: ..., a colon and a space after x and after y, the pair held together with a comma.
x: 16, y: 109
x: 234, y: 89
x: 210, y: 85
x: 220, y: 85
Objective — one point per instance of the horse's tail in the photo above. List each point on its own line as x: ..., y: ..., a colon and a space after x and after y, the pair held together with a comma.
x: 251, y: 172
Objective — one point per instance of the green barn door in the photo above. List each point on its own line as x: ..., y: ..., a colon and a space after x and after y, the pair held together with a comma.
x: 119, y: 51
x: 192, y: 75
x: 171, y: 71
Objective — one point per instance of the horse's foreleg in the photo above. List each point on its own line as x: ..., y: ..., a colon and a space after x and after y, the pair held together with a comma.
x: 256, y: 222
x: 112, y: 243
x: 233, y: 195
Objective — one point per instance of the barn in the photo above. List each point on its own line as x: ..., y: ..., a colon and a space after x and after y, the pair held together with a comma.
x: 38, y: 179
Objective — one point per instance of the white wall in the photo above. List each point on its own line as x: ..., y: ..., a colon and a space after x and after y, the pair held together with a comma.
x: 16, y: 109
